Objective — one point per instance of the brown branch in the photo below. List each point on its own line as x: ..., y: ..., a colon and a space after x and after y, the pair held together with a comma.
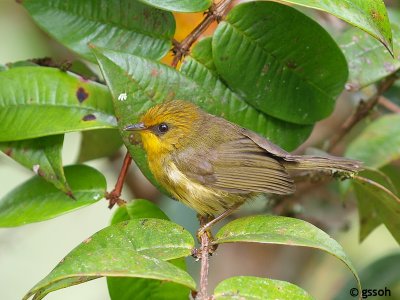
x: 362, y: 110
x: 389, y: 105
x: 114, y: 195
x: 204, y: 256
x: 215, y: 13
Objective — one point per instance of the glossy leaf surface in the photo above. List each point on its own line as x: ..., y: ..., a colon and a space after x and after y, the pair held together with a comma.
x: 368, y: 61
x: 42, y: 156
x: 139, y: 208
x: 135, y: 248
x: 125, y: 25
x: 281, y: 230
x: 38, y: 200
x: 255, y: 288
x: 369, y: 15
x: 141, y: 288
x: 40, y: 101
x: 288, y: 74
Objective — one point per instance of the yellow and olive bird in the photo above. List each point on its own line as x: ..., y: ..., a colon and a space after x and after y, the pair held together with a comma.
x: 213, y: 165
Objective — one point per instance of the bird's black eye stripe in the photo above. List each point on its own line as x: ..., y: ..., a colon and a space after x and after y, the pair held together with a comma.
x: 162, y: 128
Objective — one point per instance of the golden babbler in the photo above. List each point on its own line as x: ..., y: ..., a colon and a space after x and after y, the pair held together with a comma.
x: 212, y: 165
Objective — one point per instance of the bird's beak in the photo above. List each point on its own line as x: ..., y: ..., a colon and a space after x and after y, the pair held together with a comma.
x: 135, y: 127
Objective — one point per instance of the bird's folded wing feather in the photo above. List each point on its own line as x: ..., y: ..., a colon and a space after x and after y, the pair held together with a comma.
x: 237, y: 166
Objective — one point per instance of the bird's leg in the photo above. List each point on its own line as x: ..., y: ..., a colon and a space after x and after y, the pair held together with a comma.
x: 206, y: 227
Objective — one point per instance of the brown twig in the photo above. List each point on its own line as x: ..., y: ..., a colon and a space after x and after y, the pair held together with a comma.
x: 389, y: 105
x: 204, y: 256
x: 114, y: 195
x: 215, y: 13
x: 362, y: 110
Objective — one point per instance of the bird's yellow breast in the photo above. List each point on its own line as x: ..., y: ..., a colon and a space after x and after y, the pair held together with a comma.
x: 203, y: 199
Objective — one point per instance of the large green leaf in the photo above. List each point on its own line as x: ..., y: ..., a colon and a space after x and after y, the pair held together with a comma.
x: 140, y: 288
x: 180, y: 5
x: 38, y: 200
x: 125, y: 25
x: 200, y: 67
x: 369, y: 15
x: 382, y: 202
x: 281, y: 230
x: 380, y: 274
x: 139, y: 208
x: 42, y: 156
x: 147, y: 289
x: 255, y: 288
x: 99, y: 143
x: 288, y: 74
x: 368, y: 61
x: 379, y: 143
x: 136, y: 248
x: 40, y: 101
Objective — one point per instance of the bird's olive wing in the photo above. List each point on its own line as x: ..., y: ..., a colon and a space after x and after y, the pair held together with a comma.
x: 236, y: 166
x: 262, y: 142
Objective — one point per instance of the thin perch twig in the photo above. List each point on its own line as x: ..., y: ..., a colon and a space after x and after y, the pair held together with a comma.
x: 204, y: 256
x: 114, y: 195
x: 215, y: 13
x: 361, y: 112
x: 389, y: 105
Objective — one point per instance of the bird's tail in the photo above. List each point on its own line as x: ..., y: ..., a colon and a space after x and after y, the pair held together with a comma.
x: 332, y: 163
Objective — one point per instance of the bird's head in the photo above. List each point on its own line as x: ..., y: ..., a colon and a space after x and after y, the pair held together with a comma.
x: 168, y: 126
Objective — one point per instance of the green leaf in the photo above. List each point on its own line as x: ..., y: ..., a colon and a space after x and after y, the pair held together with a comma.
x: 380, y: 274
x: 281, y: 230
x: 41, y: 155
x: 369, y: 15
x: 99, y: 143
x: 39, y: 101
x: 180, y: 5
x: 200, y: 67
x: 367, y: 214
x: 124, y: 25
x: 139, y: 288
x: 255, y: 288
x: 38, y: 200
x: 368, y: 61
x: 393, y: 171
x: 288, y: 74
x: 135, y: 248
x: 382, y: 201
x: 139, y: 208
x: 379, y: 143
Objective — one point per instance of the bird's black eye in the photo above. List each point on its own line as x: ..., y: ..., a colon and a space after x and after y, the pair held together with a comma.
x: 163, y: 128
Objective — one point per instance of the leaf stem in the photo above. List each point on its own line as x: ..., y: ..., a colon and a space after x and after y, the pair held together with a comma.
x: 215, y: 13
x: 362, y: 110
